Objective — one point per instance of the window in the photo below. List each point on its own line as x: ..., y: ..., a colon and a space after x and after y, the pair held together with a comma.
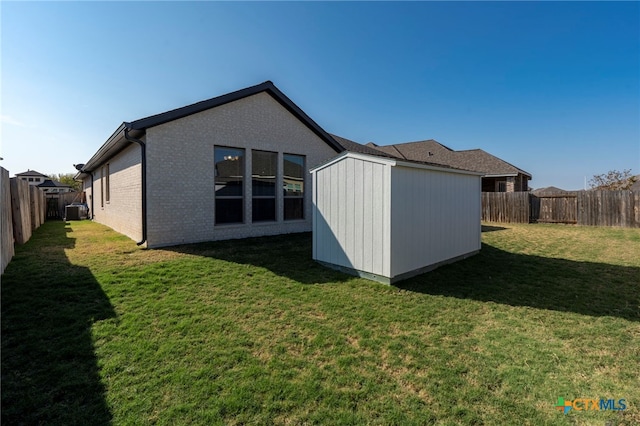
x: 37, y: 179
x: 293, y: 186
x: 30, y: 179
x: 501, y: 186
x: 107, y: 194
x: 263, y: 180
x: 229, y: 179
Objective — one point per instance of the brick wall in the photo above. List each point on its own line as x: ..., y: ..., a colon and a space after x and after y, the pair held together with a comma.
x: 180, y: 169
x: 123, y: 210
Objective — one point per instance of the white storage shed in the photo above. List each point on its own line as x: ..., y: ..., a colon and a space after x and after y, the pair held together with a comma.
x: 388, y: 220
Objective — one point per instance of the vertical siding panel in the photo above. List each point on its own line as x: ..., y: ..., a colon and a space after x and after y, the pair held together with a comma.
x: 378, y: 218
x: 350, y: 211
x: 367, y: 249
x: 334, y: 225
x: 340, y: 214
x: 386, y: 221
x: 358, y: 242
x: 328, y: 240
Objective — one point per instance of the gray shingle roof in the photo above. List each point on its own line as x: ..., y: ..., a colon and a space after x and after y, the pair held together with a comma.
x: 434, y: 152
x: 52, y: 184
x: 352, y: 146
x: 31, y: 173
x: 390, y: 151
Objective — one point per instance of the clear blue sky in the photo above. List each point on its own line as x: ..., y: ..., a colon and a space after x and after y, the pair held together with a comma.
x: 553, y: 88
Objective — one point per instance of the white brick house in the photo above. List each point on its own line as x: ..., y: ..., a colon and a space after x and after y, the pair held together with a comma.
x: 251, y: 151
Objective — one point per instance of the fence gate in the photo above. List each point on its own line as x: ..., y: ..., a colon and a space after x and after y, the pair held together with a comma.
x: 53, y: 211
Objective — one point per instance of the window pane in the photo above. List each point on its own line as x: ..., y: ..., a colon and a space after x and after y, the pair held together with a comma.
x: 264, y: 209
x: 293, y: 208
x: 293, y: 179
x: 264, y: 173
x: 229, y: 210
x: 229, y: 171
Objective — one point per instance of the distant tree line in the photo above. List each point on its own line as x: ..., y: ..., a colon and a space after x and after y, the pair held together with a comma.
x: 613, y: 180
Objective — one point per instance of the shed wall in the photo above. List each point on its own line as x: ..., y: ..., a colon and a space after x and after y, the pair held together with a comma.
x: 180, y: 169
x: 351, y: 223
x: 435, y: 216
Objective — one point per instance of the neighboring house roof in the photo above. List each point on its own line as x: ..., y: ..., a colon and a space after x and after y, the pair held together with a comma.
x: 548, y: 190
x: 31, y: 173
x: 52, y: 184
x: 434, y: 152
x: 352, y: 146
x: 118, y: 141
x: 373, y: 149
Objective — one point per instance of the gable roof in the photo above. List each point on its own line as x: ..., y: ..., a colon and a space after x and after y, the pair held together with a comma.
x: 117, y: 141
x: 432, y: 151
x: 31, y: 173
x: 49, y: 183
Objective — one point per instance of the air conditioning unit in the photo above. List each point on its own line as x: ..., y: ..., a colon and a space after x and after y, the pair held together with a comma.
x: 72, y: 213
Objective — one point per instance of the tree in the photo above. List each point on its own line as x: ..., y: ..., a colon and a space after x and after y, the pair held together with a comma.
x: 67, y: 179
x: 613, y: 180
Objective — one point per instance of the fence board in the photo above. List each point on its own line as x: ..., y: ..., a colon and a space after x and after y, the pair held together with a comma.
x: 6, y: 225
x: 20, y: 210
x: 36, y: 204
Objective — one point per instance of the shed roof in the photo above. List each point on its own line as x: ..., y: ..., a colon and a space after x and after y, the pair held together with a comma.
x: 393, y: 162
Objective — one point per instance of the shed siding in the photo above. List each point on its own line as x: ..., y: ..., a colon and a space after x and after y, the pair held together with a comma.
x: 180, y: 169
x: 123, y: 211
x: 349, y: 229
x: 435, y: 216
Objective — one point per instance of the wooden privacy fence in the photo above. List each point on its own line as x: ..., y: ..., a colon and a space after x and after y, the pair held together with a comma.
x: 56, y: 203
x: 6, y: 239
x: 22, y: 211
x: 509, y: 207
x: 591, y: 208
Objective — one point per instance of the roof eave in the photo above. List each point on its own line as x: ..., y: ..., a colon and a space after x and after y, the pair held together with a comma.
x: 108, y: 150
x: 267, y: 86
x: 507, y: 174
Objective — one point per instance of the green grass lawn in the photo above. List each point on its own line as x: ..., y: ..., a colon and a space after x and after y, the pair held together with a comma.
x: 98, y: 331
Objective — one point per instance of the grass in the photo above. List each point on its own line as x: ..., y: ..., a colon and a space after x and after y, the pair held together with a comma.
x: 98, y: 331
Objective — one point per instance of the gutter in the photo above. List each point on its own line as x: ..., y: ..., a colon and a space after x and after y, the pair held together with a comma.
x: 143, y: 161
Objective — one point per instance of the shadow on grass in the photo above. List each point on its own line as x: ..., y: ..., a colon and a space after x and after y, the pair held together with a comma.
x: 494, y: 275
x: 49, y: 369
x: 286, y: 255
x: 491, y: 228
x: 587, y: 288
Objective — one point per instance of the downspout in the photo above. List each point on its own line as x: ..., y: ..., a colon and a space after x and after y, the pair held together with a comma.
x: 143, y: 163
x: 92, y: 197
